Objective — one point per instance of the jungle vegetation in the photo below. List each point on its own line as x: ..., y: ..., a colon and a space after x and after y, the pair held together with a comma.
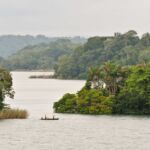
x: 122, y: 49
x: 71, y: 58
x: 111, y: 89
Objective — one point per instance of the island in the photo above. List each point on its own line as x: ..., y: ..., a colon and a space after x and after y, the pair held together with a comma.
x: 111, y: 89
x: 41, y: 77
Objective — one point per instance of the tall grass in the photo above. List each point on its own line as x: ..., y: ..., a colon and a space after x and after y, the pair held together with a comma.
x: 13, y: 114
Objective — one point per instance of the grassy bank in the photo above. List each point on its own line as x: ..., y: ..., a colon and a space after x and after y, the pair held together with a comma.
x: 13, y: 114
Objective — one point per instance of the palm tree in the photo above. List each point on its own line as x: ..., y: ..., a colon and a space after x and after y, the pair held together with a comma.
x: 109, y: 76
x: 95, y: 77
x: 113, y: 76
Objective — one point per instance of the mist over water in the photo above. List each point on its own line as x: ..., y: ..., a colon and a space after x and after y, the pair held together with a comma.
x: 71, y: 132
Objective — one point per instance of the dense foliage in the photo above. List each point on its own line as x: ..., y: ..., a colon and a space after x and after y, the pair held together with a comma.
x: 5, y: 86
x: 122, y: 49
x: 40, y: 57
x: 111, y: 89
x: 134, y: 97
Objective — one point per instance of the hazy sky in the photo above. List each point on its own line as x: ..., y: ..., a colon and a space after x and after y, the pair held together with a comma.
x: 73, y: 17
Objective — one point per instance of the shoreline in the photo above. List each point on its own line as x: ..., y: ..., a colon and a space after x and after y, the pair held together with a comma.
x: 31, y: 70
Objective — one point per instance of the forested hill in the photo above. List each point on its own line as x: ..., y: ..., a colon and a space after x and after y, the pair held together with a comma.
x: 72, y: 58
x: 40, y: 57
x: 9, y: 44
x: 123, y: 49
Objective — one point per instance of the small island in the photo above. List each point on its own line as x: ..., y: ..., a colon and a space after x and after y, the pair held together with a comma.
x: 111, y: 89
x: 42, y: 77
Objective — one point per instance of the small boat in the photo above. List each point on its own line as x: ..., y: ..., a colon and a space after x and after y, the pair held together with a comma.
x: 46, y: 118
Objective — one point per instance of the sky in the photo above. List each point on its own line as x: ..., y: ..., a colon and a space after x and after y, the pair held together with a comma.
x: 74, y: 17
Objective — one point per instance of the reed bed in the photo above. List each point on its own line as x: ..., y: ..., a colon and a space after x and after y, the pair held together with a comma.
x: 13, y: 114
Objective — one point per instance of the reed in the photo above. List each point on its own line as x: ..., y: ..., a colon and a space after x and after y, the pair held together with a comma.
x: 13, y: 114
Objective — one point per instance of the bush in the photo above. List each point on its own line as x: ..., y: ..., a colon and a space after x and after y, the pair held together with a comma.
x: 90, y: 101
x: 67, y: 104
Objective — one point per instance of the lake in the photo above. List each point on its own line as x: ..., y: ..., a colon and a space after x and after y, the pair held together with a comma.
x: 71, y: 132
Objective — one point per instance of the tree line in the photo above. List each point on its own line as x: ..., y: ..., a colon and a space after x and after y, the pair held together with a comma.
x: 123, y: 49
x: 39, y: 57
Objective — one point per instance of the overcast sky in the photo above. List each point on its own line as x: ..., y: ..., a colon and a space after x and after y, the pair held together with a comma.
x: 74, y: 17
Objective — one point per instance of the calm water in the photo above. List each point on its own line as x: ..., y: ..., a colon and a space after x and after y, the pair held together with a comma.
x: 71, y: 132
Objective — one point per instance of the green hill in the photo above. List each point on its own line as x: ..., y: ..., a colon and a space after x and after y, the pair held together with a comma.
x: 40, y: 57
x: 10, y: 44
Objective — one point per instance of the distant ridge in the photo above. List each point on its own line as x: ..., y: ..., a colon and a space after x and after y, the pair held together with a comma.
x: 42, y: 56
x: 10, y: 44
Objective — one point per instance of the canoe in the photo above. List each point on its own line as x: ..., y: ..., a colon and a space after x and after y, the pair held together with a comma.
x: 49, y: 118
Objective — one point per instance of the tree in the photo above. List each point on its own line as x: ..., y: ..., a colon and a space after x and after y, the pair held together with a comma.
x: 94, y: 76
x: 5, y: 86
x: 94, y: 43
x: 109, y: 76
x: 145, y: 40
x: 134, y: 98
